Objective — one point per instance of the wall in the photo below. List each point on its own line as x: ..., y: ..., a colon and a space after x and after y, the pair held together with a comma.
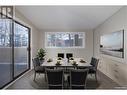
x: 85, y: 53
x: 115, y: 23
x: 38, y: 41
x: 35, y: 34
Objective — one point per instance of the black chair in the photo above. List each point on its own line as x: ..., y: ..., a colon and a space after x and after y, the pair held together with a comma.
x: 93, y: 70
x: 37, y: 68
x: 61, y: 55
x: 68, y: 55
x: 77, y: 78
x: 55, y: 78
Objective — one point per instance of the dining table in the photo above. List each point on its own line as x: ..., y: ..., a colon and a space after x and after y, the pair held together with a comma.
x: 65, y: 63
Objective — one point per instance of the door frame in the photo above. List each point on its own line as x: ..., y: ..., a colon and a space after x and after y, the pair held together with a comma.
x: 29, y: 50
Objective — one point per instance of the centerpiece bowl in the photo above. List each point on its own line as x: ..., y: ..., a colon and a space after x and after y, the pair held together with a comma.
x: 74, y: 63
x: 58, y: 63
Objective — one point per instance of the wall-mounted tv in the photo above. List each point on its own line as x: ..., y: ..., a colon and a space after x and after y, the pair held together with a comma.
x: 113, y: 44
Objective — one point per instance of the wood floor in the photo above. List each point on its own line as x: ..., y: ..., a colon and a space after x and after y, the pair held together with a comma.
x: 26, y: 82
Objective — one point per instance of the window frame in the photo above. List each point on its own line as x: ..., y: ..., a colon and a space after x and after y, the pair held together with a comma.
x: 83, y: 40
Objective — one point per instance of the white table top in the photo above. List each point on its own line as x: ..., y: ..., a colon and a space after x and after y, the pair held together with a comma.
x: 64, y: 63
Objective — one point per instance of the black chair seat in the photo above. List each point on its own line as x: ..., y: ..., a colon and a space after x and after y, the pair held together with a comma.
x: 55, y: 78
x: 77, y: 87
x: 37, y: 67
x: 82, y: 67
x: 40, y: 69
x: 92, y: 71
x: 55, y: 87
x: 77, y: 78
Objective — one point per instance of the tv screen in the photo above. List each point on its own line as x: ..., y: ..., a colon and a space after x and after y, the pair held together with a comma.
x: 113, y: 44
x: 61, y: 55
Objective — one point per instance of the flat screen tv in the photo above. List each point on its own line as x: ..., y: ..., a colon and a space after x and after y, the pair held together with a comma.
x: 113, y: 44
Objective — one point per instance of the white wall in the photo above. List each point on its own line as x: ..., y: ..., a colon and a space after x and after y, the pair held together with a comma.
x: 35, y: 34
x: 115, y: 23
x: 85, y: 53
x: 38, y: 41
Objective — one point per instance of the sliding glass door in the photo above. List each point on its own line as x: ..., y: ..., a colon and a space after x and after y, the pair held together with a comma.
x: 21, y: 49
x: 5, y: 52
x: 14, y: 50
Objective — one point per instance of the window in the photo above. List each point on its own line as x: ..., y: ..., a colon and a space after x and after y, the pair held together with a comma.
x: 14, y: 45
x: 5, y: 33
x: 64, y: 39
x: 20, y: 35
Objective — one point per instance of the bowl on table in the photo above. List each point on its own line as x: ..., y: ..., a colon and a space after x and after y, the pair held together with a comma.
x: 58, y: 63
x: 82, y: 61
x: 71, y: 58
x: 49, y: 60
x: 59, y: 58
x: 74, y: 63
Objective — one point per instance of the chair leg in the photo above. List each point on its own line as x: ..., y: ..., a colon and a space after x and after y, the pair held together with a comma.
x: 45, y: 77
x: 96, y: 77
x: 85, y: 86
x: 34, y: 76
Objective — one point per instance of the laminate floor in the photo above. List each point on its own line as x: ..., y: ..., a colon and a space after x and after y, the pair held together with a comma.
x: 26, y: 82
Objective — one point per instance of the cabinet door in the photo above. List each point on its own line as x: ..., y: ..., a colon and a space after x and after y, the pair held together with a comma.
x: 122, y: 74
x: 117, y: 72
x: 102, y: 66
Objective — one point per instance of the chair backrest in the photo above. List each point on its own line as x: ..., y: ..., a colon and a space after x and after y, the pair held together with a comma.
x: 36, y: 62
x: 55, y: 78
x: 68, y: 55
x: 61, y: 55
x: 78, y: 78
x: 94, y: 62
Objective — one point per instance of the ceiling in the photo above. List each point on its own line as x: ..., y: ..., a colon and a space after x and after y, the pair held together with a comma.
x: 67, y: 17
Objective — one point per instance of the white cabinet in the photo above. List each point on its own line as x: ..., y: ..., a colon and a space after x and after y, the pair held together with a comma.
x: 102, y: 66
x: 115, y: 70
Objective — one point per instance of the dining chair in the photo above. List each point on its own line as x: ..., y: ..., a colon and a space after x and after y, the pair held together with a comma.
x: 77, y: 78
x: 69, y: 55
x: 60, y: 55
x: 93, y: 69
x: 55, y: 78
x: 37, y: 68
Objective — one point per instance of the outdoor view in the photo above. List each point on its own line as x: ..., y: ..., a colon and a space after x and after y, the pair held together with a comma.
x: 65, y: 39
x: 20, y: 50
x: 5, y: 52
